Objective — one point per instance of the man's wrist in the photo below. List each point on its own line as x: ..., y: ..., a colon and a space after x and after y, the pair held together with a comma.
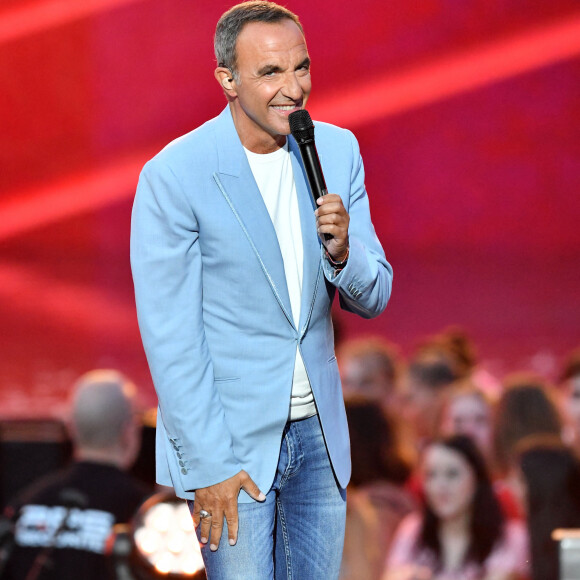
x: 337, y: 264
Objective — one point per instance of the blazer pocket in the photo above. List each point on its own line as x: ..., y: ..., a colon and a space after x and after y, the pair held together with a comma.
x: 226, y: 380
x: 226, y: 384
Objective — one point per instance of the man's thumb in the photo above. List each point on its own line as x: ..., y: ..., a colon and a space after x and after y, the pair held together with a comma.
x: 252, y: 489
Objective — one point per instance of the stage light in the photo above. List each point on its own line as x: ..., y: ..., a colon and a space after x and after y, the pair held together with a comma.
x: 162, y: 542
x: 165, y: 538
x: 569, y: 552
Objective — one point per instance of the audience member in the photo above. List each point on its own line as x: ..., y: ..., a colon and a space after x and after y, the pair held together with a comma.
x: 570, y: 396
x: 370, y: 367
x: 377, y: 499
x: 63, y: 521
x: 467, y: 410
x: 551, y: 492
x: 525, y: 408
x: 453, y: 343
x: 461, y: 534
x: 428, y: 378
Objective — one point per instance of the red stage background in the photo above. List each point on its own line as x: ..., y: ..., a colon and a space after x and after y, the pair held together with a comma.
x: 467, y: 113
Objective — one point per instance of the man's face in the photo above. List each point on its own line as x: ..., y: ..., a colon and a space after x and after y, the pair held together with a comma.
x: 363, y: 375
x: 273, y: 80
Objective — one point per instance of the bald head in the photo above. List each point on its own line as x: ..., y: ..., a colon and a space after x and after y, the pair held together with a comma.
x: 102, y: 412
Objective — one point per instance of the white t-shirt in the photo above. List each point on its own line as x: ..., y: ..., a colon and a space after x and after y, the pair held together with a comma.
x: 275, y: 179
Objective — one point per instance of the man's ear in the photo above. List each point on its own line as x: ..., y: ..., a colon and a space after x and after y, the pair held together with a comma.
x: 225, y: 78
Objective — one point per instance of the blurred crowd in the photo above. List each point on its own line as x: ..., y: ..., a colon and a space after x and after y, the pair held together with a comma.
x: 58, y: 527
x: 453, y: 477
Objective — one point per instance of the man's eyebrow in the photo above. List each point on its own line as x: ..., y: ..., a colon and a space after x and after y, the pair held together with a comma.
x: 304, y: 63
x: 268, y: 68
x: 274, y: 68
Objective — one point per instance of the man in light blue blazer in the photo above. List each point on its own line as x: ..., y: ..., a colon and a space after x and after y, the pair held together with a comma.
x: 234, y: 281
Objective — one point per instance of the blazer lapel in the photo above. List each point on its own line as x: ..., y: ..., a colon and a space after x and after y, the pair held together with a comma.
x: 310, y: 240
x: 237, y: 184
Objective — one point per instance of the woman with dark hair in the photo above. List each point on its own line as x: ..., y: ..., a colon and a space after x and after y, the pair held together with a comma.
x: 461, y: 534
x: 569, y: 395
x: 377, y: 498
x: 551, y: 477
x: 526, y: 408
x: 374, y: 436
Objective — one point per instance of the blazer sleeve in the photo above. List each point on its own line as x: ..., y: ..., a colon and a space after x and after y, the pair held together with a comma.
x: 166, y: 264
x: 365, y: 283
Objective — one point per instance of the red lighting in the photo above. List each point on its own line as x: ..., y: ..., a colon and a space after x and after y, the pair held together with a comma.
x: 393, y: 94
x: 38, y: 16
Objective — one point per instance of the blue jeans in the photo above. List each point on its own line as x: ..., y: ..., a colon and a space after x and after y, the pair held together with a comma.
x: 298, y: 532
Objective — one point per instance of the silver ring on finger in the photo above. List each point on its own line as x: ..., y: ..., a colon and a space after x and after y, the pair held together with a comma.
x: 204, y: 514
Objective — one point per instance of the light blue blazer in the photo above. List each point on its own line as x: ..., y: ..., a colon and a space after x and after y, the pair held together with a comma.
x: 214, y: 310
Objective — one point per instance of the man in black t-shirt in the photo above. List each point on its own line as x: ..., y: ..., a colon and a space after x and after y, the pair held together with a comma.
x: 63, y: 521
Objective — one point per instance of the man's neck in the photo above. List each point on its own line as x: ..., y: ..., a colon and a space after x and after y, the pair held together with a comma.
x: 103, y: 456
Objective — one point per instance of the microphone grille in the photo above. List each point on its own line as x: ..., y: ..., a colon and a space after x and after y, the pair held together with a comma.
x: 301, y: 126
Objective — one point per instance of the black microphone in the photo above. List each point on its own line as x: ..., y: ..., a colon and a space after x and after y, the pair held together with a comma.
x: 302, y: 130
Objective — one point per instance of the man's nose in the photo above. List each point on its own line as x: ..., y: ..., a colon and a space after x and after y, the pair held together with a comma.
x: 292, y: 87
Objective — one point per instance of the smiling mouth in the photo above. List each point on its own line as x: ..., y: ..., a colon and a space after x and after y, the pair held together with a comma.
x: 286, y: 108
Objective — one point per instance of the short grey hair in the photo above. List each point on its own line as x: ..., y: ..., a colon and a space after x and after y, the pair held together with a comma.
x: 103, y: 405
x: 231, y: 23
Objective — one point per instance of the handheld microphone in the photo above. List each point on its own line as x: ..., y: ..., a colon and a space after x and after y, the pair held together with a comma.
x: 302, y: 130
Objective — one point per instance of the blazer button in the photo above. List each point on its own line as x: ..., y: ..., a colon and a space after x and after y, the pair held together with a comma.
x: 182, y: 464
x: 184, y: 471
